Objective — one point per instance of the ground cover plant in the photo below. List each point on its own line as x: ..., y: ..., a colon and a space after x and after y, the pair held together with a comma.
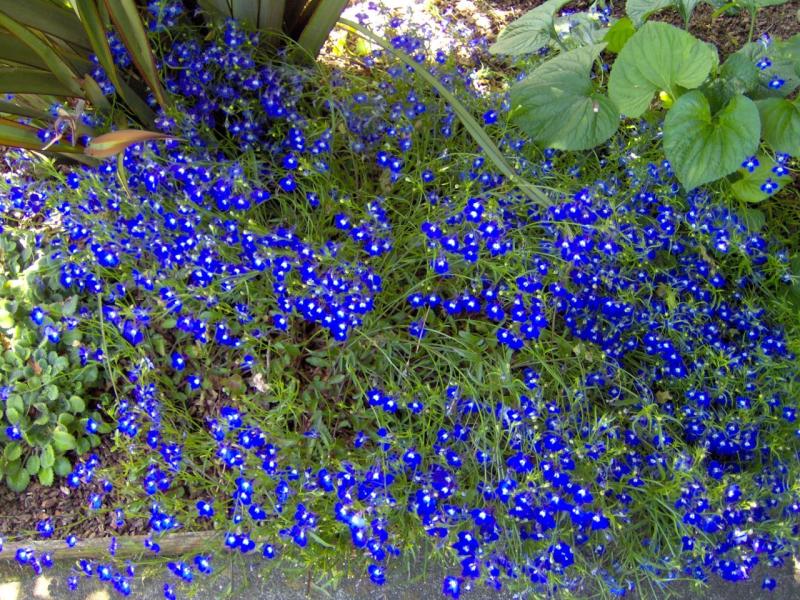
x: 322, y: 321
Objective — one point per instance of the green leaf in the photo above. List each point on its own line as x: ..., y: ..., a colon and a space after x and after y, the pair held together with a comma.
x: 32, y: 464
x: 740, y: 73
x: 130, y: 28
x: 14, y: 51
x: 60, y: 69
x: 531, y: 32
x: 18, y: 481
x: 639, y: 10
x: 12, y: 451
x: 93, y: 25
x: 753, y: 218
x: 22, y: 136
x: 659, y: 57
x: 702, y: 147
x: 62, y: 466
x: 558, y: 106
x: 49, y: 17
x: 76, y: 404
x: 46, y: 476
x: 63, y: 440
x: 51, y: 392
x: 319, y: 26
x: 780, y: 124
x: 619, y: 34
x: 47, y: 456
x: 748, y: 187
x: 15, y: 401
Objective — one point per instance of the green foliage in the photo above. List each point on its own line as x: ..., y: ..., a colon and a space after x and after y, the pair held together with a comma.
x: 48, y: 395
x: 710, y: 122
x: 658, y: 58
x: 702, y: 146
x: 780, y: 120
x: 749, y: 187
x: 639, y: 10
x: 530, y: 32
x: 557, y: 104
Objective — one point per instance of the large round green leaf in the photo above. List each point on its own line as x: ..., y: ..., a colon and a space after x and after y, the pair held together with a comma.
x: 703, y: 147
x: 558, y: 106
x: 530, y: 32
x: 659, y: 57
x: 780, y: 124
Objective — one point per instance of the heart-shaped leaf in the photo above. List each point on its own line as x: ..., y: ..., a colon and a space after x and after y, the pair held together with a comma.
x: 659, y: 57
x: 531, y: 32
x: 761, y: 183
x: 703, y: 147
x: 558, y: 106
x: 618, y: 34
x: 115, y: 142
x: 780, y: 124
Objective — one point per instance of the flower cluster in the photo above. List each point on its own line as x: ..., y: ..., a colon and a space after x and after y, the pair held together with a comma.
x: 515, y: 383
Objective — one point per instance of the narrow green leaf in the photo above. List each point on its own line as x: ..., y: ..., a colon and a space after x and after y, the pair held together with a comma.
x: 470, y: 123
x: 702, y: 147
x: 531, y: 32
x: 270, y: 14
x: 659, y: 57
x: 619, y: 34
x: 23, y: 111
x: 246, y: 10
x: 12, y: 50
x: 30, y: 81
x: 558, y: 106
x: 131, y: 29
x: 750, y: 185
x: 639, y: 10
x: 780, y: 124
x: 55, y: 64
x: 93, y: 24
x: 48, y: 17
x: 20, y: 136
x: 115, y: 142
x: 319, y: 26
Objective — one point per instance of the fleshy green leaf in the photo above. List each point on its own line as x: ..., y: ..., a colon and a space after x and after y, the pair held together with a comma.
x: 702, y: 147
x: 12, y: 451
x: 63, y: 440
x: 531, y: 32
x: 32, y: 464
x: 76, y: 404
x: 749, y: 187
x: 659, y: 57
x: 47, y: 457
x: 780, y: 124
x: 558, y: 106
x: 618, y: 35
x: 62, y: 466
x: 18, y: 480
x: 46, y: 476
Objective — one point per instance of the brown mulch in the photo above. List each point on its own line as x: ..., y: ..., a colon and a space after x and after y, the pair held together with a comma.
x: 66, y: 506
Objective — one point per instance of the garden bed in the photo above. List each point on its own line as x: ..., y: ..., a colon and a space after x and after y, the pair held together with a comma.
x: 332, y: 312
